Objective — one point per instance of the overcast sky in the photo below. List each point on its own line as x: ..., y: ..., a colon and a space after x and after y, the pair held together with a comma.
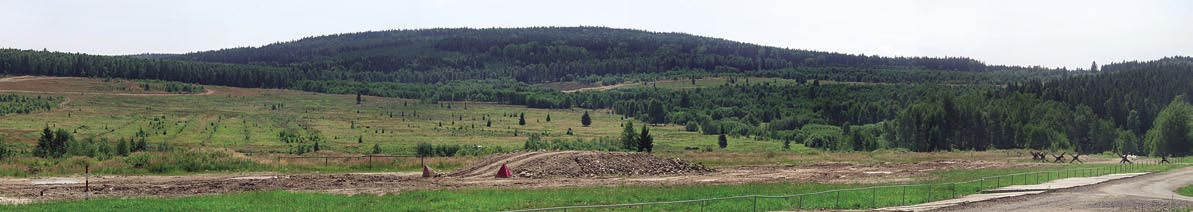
x: 1035, y: 32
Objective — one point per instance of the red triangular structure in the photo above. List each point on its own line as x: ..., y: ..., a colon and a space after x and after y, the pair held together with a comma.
x: 504, y: 172
x: 427, y: 172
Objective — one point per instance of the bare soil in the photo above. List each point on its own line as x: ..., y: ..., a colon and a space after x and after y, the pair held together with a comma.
x: 23, y: 190
x: 587, y: 164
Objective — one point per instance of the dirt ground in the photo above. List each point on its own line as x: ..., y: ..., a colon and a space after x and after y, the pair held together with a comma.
x: 22, y: 190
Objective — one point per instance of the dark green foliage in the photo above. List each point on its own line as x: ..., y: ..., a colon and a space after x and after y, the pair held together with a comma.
x: 656, y: 114
x: 692, y: 126
x: 629, y: 139
x: 522, y: 119
x: 722, y: 141
x: 141, y: 145
x: 175, y: 87
x: 541, y: 54
x: 122, y: 147
x: 645, y: 141
x: 585, y: 119
x: 53, y: 144
x: 535, y: 142
x: 377, y: 149
x: 1129, y: 93
x: 4, y: 152
x: 1170, y: 134
x: 445, y: 150
x: 548, y: 117
x: 424, y: 150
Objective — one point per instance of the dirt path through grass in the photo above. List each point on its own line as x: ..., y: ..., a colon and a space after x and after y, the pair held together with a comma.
x: 21, y: 189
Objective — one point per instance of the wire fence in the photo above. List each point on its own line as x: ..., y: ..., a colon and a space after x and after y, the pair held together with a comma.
x: 861, y: 198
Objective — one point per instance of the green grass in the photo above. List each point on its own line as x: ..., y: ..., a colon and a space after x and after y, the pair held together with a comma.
x: 490, y: 199
x: 1187, y: 191
x: 245, y: 120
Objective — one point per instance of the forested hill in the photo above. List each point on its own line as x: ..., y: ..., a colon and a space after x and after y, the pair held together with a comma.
x: 544, y: 54
x: 1130, y: 93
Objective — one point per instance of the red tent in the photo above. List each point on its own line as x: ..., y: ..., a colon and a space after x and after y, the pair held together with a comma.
x: 504, y: 172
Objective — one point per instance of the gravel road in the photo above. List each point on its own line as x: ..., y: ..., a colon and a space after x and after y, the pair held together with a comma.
x: 1150, y: 192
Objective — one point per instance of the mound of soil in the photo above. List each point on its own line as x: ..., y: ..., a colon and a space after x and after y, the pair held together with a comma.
x: 600, y: 164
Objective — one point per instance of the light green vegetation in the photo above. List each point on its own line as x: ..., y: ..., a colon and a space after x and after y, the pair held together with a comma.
x: 490, y: 199
x: 256, y: 125
x: 1187, y: 190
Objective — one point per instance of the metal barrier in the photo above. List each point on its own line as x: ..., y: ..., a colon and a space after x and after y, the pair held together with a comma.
x: 1035, y: 177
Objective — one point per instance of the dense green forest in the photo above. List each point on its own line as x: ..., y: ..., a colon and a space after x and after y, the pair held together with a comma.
x: 550, y: 54
x: 916, y: 103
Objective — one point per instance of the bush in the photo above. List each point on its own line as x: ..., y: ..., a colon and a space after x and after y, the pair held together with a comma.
x: 692, y: 126
x: 424, y: 150
x: 139, y: 160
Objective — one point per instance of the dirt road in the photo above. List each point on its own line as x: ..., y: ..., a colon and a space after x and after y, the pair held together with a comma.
x: 1144, y: 193
x: 16, y: 190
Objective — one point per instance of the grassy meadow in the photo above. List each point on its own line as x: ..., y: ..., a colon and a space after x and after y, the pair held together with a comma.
x: 251, y: 126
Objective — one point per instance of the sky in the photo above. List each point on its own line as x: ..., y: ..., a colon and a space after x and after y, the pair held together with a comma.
x: 1013, y: 32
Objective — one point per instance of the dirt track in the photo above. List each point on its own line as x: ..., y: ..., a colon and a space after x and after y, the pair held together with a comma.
x: 1153, y: 192
x: 24, y: 189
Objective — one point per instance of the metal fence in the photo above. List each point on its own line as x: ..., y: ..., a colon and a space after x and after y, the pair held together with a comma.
x: 862, y: 198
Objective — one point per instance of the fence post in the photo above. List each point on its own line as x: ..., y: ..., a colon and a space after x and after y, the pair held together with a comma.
x: 874, y: 198
x: 702, y: 205
x: 838, y: 200
x: 755, y: 203
x: 904, y: 195
x: 800, y: 205
x: 954, y: 190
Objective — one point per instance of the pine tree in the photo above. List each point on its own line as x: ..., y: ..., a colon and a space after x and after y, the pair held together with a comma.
x: 358, y: 98
x: 522, y: 119
x: 43, y: 148
x: 585, y: 119
x: 122, y: 147
x: 628, y: 135
x: 376, y: 148
x: 548, y: 117
x: 645, y: 141
x: 722, y: 141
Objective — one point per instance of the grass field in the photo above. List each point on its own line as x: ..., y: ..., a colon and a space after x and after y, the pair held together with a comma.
x: 267, y: 123
x: 489, y: 199
x: 1187, y: 191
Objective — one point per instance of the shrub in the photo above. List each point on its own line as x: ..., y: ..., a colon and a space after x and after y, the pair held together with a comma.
x: 139, y: 160
x: 423, y: 150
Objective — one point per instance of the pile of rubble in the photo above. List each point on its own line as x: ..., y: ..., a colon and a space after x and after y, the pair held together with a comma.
x: 602, y: 164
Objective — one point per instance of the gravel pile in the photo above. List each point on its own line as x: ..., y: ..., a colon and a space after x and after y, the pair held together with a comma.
x: 603, y: 164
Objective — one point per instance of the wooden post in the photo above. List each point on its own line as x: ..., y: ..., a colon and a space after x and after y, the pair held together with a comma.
x: 87, y: 181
